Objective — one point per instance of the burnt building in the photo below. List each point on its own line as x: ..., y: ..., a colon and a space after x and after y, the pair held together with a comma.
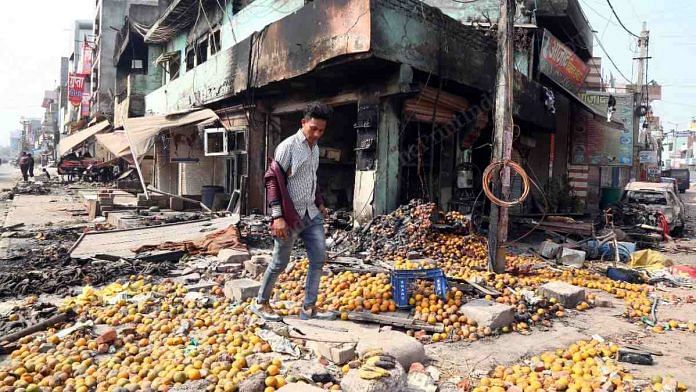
x: 411, y: 82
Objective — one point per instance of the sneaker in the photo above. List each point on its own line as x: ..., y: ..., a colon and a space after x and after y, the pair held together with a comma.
x: 265, y: 311
x: 311, y: 313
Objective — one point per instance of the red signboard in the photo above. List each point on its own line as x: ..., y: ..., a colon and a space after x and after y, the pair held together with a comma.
x: 76, y: 86
x: 560, y: 64
x: 86, y: 58
x: 84, y: 110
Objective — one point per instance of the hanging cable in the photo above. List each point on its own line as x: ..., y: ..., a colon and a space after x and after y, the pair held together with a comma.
x: 610, y: 59
x: 619, y: 20
x: 488, y: 178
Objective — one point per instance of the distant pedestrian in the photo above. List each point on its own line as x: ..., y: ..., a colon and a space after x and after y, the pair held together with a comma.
x: 31, y: 165
x: 24, y: 165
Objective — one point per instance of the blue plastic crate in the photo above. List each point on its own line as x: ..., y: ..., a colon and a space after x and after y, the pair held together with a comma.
x: 402, y: 281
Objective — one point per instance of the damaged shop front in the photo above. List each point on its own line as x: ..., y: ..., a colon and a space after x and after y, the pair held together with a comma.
x: 412, y: 113
x: 170, y: 155
x: 596, y: 153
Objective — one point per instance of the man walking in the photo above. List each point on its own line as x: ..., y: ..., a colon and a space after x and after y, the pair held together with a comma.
x: 297, y: 211
x: 30, y: 167
x: 24, y: 165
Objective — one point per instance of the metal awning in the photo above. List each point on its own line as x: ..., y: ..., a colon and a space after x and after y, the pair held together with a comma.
x: 78, y: 137
x: 179, y: 15
x: 116, y: 142
x: 141, y: 131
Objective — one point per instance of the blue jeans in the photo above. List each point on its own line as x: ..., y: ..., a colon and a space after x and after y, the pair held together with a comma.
x: 312, y: 233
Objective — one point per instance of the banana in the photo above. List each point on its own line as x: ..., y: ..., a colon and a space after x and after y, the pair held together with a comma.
x: 368, y: 372
x: 373, y: 352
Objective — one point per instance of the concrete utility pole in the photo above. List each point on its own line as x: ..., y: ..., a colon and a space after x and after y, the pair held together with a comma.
x: 502, y: 135
x: 641, y: 95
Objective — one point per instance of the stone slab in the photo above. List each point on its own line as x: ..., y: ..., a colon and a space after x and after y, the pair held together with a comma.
x: 488, y: 313
x: 338, y: 353
x: 233, y: 256
x: 241, y: 289
x: 566, y: 294
x: 300, y: 387
x: 396, y: 381
x: 257, y: 264
x: 404, y: 348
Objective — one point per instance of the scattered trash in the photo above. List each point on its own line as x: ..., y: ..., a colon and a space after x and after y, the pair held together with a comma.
x: 279, y: 344
x: 635, y: 357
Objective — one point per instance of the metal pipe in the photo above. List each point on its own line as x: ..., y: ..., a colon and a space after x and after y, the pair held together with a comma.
x: 203, y: 206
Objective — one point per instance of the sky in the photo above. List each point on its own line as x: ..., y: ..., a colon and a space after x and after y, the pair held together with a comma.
x: 31, y: 52
x: 672, y: 48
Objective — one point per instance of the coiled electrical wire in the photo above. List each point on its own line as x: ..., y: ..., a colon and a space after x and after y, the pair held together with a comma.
x: 488, y: 178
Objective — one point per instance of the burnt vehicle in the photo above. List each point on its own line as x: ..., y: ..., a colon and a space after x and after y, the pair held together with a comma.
x: 647, y: 207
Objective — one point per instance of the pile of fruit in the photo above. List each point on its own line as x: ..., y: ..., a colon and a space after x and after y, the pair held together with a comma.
x: 584, y: 366
x: 172, y: 341
x: 343, y: 292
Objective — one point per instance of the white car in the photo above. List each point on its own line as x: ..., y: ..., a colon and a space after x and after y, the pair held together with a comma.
x: 655, y: 197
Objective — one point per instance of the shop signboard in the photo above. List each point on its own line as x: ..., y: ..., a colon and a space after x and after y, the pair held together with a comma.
x: 76, y: 86
x: 560, y: 64
x: 647, y: 157
x: 598, y: 142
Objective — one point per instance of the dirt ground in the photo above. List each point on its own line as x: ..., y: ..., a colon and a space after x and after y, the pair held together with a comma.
x: 679, y: 348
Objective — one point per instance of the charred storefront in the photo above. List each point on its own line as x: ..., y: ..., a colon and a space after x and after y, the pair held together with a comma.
x: 413, y: 112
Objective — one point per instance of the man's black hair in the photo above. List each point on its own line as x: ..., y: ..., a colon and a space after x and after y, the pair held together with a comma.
x: 318, y: 110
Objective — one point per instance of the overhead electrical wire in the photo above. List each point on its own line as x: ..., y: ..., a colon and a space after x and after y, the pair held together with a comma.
x: 610, y: 59
x: 619, y: 20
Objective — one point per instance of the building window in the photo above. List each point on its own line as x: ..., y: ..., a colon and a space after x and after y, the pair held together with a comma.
x: 190, y: 58
x: 238, y: 5
x: 202, y: 51
x: 215, y: 41
x: 174, y: 65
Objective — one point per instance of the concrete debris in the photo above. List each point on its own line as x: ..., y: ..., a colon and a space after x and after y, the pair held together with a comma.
x: 299, y: 387
x: 257, y: 264
x: 255, y: 383
x: 420, y: 382
x: 241, y: 289
x: 202, y: 285
x: 573, y: 257
x: 311, y: 370
x: 229, y: 267
x: 338, y: 353
x: 404, y: 348
x: 488, y: 313
x: 233, y: 256
x: 396, y: 381
x: 566, y: 294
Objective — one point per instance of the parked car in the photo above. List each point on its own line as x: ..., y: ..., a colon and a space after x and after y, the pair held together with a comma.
x: 657, y: 197
x: 683, y: 178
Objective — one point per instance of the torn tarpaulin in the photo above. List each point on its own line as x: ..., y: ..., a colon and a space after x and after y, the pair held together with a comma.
x: 211, y: 244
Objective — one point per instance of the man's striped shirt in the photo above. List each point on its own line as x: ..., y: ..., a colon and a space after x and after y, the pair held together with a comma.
x: 300, y: 163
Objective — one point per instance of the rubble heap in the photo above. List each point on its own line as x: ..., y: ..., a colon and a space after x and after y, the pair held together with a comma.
x: 51, y: 270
